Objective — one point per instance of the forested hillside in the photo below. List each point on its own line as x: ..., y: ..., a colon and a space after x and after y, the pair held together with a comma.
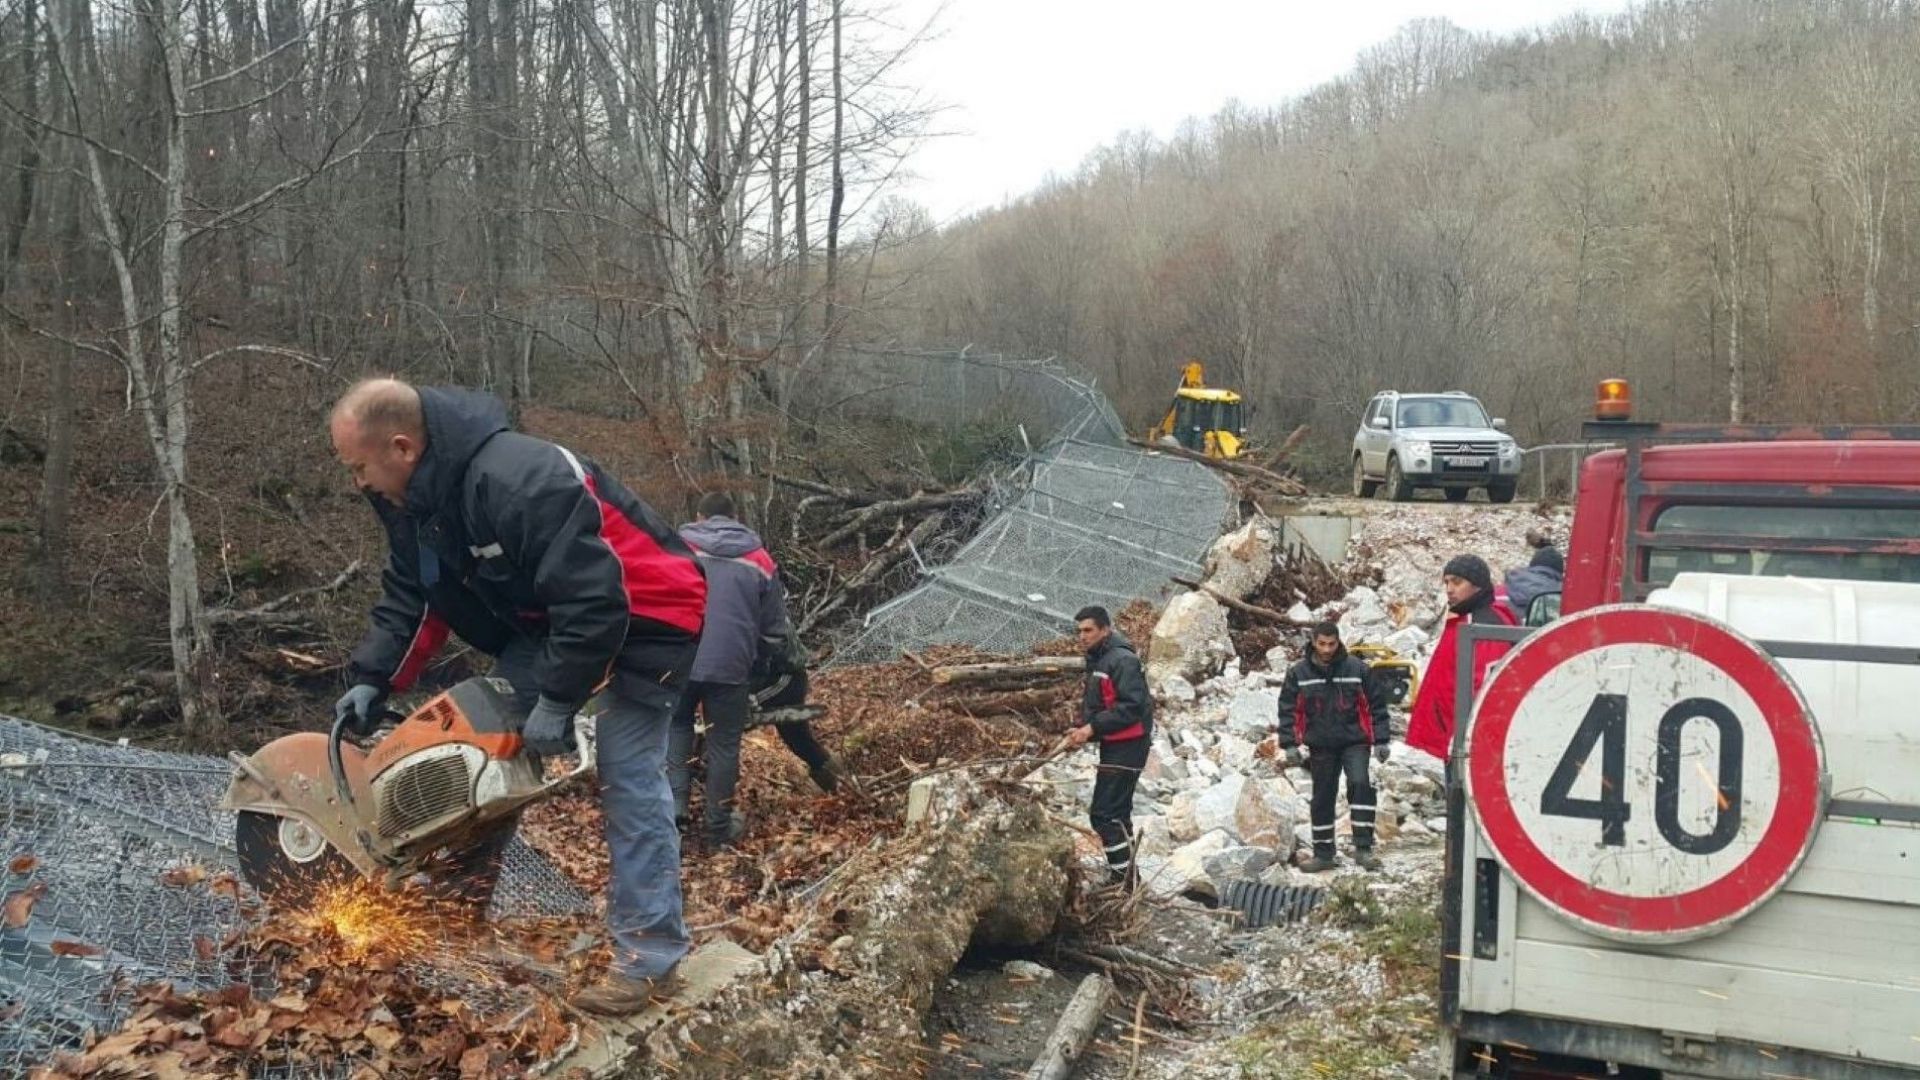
x: 647, y: 222
x: 1718, y: 199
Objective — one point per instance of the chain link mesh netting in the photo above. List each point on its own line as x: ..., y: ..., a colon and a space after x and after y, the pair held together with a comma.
x: 1085, y: 519
x: 94, y: 828
x: 956, y: 390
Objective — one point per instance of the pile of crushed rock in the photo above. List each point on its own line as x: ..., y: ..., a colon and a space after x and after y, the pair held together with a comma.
x: 1212, y: 806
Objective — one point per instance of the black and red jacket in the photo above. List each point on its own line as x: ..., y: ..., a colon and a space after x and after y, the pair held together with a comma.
x: 1116, y: 703
x: 506, y: 535
x: 1332, y: 707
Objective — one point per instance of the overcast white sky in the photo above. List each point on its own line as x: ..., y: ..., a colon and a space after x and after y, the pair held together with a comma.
x: 1034, y: 85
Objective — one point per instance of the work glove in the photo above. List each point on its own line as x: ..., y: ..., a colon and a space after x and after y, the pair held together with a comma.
x: 1382, y: 752
x: 362, y: 705
x: 549, y: 728
x: 1296, y: 756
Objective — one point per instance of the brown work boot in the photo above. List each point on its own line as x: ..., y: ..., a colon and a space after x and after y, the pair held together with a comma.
x: 1319, y: 864
x: 1366, y: 859
x: 826, y: 777
x: 623, y: 995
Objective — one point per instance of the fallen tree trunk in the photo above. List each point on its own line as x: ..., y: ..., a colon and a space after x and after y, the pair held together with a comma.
x: 845, y: 495
x: 882, y: 510
x: 1074, y: 1031
x: 1235, y: 603
x: 1012, y: 671
x: 877, y: 567
x: 273, y: 613
x: 1284, y: 485
x: 846, y: 995
x: 1298, y: 436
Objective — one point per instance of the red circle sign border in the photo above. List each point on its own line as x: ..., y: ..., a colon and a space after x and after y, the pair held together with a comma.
x: 1708, y: 908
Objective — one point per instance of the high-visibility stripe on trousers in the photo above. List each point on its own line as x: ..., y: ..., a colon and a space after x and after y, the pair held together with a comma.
x: 1327, y: 765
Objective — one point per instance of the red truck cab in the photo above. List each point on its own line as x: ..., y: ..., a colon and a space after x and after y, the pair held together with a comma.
x: 1770, y: 501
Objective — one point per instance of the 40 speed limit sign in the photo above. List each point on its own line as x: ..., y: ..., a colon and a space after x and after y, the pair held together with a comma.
x: 1649, y: 774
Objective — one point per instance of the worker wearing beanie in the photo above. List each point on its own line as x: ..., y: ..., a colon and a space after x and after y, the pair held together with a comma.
x: 1470, y: 598
x: 1544, y: 574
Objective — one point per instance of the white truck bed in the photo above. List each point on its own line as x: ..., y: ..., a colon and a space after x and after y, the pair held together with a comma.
x: 1823, y: 980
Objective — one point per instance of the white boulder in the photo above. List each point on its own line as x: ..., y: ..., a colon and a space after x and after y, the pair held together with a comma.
x: 1235, y: 863
x: 1239, y: 562
x: 1186, y: 869
x: 1175, y: 690
x: 1190, y: 640
x: 1217, y: 807
x: 1253, y: 712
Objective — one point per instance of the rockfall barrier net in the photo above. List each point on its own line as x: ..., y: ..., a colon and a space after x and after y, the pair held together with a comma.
x: 1081, y: 517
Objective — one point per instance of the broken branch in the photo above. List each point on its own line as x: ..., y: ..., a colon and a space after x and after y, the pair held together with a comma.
x: 1284, y: 485
x: 1235, y: 603
x: 1075, y: 1029
x: 270, y: 614
x: 1013, y: 701
x: 1012, y: 671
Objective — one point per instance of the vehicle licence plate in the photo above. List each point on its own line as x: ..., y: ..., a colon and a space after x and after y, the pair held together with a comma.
x: 1468, y: 462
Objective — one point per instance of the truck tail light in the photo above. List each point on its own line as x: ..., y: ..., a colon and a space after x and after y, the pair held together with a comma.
x: 1614, y: 401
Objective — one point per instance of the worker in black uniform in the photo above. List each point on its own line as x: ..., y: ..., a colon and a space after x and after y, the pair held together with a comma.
x: 1332, y: 714
x: 1116, y: 709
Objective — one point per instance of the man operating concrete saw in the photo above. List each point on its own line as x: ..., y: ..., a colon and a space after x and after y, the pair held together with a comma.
x: 536, y: 556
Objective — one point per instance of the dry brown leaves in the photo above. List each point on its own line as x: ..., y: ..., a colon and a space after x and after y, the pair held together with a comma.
x: 17, y: 911
x: 885, y: 722
x: 183, y: 876
x: 385, y: 1011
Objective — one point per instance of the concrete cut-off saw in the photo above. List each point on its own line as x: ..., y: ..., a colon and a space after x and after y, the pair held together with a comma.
x: 433, y: 801
x: 438, y: 795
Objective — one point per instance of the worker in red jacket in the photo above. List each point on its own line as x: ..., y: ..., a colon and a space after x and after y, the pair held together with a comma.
x: 1470, y: 598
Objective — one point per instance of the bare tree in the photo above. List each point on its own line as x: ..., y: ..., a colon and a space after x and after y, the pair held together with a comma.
x: 149, y: 260
x: 27, y: 168
x: 837, y: 184
x: 1862, y: 144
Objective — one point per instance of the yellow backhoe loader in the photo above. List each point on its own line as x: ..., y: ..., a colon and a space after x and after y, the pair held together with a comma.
x: 1204, y: 419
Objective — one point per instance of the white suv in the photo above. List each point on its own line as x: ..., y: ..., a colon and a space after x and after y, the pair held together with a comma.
x: 1446, y: 441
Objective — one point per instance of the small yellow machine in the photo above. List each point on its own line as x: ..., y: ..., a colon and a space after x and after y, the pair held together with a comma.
x: 1204, y: 419
x: 1397, y: 674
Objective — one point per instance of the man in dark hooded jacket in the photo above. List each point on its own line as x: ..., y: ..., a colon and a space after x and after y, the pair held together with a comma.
x: 1116, y: 709
x: 746, y: 619
x: 1332, y: 714
x: 1544, y: 574
x: 538, y: 557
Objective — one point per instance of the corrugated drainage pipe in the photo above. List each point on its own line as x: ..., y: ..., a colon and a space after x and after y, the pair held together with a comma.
x: 1263, y: 904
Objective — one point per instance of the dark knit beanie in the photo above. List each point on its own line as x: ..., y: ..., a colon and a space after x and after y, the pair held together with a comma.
x: 1471, y: 568
x: 1549, y: 558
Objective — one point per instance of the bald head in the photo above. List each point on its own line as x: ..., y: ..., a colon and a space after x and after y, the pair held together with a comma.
x: 379, y: 407
x: 379, y: 433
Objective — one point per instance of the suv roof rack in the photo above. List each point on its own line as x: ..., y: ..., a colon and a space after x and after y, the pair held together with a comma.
x: 1635, y: 435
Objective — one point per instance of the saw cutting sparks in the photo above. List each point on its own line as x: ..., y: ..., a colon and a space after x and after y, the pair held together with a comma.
x: 364, y: 918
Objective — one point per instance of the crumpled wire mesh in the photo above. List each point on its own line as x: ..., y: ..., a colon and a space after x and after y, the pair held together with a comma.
x: 1085, y: 519
x: 101, y: 823
x: 954, y: 390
